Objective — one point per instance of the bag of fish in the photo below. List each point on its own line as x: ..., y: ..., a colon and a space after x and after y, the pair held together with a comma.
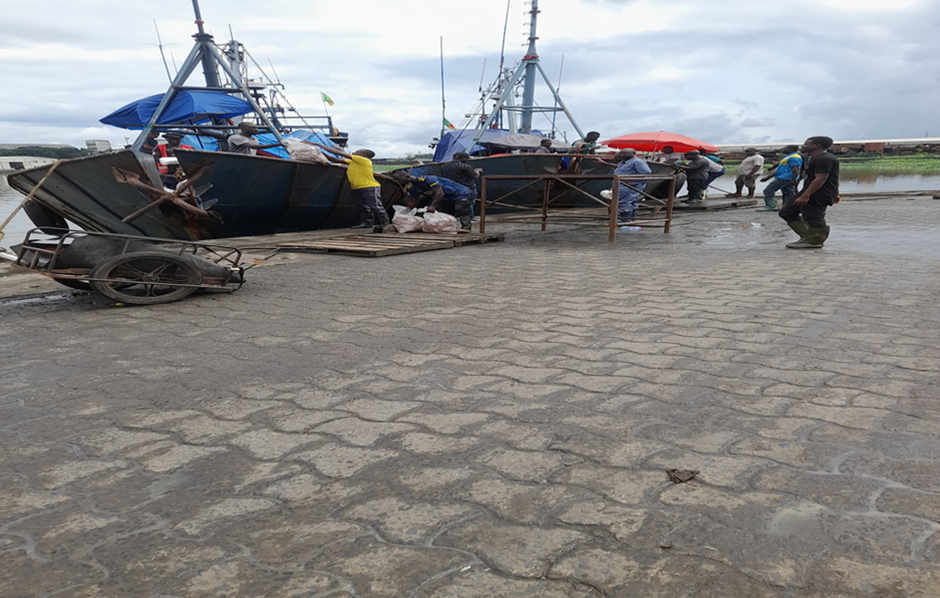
x: 406, y: 220
x: 439, y: 222
x: 304, y: 152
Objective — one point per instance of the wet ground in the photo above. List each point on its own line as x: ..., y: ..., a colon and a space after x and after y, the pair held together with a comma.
x: 495, y: 421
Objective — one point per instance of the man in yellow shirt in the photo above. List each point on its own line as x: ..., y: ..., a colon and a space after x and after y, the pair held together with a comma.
x: 366, y: 191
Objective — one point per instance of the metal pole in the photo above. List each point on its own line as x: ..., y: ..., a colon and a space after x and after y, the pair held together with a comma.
x: 531, y: 62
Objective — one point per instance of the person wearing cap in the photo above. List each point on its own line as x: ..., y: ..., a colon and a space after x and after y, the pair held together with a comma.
x: 168, y: 172
x: 748, y: 170
x: 244, y: 142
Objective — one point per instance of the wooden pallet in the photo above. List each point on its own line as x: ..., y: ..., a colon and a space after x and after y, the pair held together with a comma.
x: 381, y: 245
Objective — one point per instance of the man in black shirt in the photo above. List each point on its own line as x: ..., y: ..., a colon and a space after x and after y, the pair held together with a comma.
x: 460, y: 171
x: 806, y: 213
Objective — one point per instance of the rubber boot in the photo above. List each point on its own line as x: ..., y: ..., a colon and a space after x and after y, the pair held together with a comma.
x: 366, y: 220
x: 466, y: 223
x: 814, y: 239
x: 801, y: 228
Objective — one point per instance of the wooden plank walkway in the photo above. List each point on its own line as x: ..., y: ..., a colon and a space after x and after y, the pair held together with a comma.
x: 385, y: 244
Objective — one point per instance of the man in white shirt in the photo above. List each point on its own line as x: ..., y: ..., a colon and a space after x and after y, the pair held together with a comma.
x: 243, y: 142
x: 747, y: 173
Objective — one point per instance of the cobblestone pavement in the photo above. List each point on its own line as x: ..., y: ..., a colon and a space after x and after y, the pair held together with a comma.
x: 494, y: 421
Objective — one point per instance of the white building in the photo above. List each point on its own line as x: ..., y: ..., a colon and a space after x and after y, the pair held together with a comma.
x: 13, y: 163
x: 98, y: 146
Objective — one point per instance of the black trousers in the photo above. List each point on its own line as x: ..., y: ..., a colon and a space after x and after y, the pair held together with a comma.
x: 814, y: 213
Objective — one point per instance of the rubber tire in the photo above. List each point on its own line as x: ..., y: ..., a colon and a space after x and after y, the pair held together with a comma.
x: 45, y: 219
x: 116, y: 291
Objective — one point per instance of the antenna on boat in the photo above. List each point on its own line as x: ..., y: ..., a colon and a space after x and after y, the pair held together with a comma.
x: 443, y: 101
x: 162, y: 55
x: 558, y: 88
x: 502, y: 49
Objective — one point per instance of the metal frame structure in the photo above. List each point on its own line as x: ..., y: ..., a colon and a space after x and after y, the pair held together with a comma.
x: 525, y: 74
x: 205, y: 53
x: 569, y: 180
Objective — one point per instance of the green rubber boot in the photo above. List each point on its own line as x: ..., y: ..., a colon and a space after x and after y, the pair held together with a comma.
x: 801, y: 228
x: 814, y: 239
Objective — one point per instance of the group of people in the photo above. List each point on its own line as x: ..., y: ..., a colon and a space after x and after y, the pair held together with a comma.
x: 456, y: 189
x: 803, y: 210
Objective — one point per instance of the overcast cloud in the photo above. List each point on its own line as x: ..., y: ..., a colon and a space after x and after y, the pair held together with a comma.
x: 723, y: 71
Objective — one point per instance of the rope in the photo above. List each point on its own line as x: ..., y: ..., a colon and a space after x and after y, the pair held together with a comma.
x: 28, y: 197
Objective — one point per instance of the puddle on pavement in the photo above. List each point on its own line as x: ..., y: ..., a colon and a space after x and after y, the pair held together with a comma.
x: 43, y: 300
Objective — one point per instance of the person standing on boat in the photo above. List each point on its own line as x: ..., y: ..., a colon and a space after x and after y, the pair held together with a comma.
x: 696, y: 170
x: 629, y: 199
x: 545, y: 147
x: 785, y: 179
x: 460, y: 171
x: 174, y: 141
x: 806, y: 214
x: 669, y: 155
x: 748, y: 170
x: 364, y: 189
x: 430, y: 191
x: 244, y: 142
x: 588, y: 145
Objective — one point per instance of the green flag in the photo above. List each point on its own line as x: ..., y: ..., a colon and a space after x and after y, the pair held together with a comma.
x: 326, y: 98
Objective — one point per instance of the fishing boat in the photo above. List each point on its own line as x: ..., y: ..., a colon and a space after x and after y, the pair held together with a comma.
x: 507, y: 117
x: 225, y: 194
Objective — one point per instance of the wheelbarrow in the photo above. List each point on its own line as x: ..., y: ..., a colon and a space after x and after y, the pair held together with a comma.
x: 129, y: 269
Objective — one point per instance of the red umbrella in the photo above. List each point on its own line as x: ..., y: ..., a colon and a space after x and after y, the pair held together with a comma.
x: 654, y: 142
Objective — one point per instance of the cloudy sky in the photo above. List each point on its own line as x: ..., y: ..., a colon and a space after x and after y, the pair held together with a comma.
x: 725, y: 71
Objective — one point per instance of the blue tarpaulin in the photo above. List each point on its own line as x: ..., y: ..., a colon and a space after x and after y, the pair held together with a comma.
x: 187, y: 107
x: 459, y: 141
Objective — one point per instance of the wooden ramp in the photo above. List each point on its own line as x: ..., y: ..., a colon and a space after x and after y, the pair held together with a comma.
x: 381, y: 245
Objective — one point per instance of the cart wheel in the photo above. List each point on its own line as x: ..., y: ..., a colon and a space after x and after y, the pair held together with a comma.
x: 74, y: 283
x: 138, y: 277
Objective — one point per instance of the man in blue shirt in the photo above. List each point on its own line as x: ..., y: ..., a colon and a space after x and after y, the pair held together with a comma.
x: 629, y: 199
x: 785, y: 178
x: 429, y: 191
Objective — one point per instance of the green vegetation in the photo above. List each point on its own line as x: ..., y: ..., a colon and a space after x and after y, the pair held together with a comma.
x: 57, y: 153
x: 866, y: 164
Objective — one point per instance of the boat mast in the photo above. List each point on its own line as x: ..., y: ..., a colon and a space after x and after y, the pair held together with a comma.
x: 530, y: 60
x: 204, y: 52
x: 525, y: 74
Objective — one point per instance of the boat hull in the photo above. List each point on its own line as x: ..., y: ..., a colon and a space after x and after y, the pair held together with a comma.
x: 87, y: 192
x: 258, y: 195
x: 253, y: 195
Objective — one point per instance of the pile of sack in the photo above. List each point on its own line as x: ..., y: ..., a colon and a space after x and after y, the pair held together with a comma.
x: 408, y: 220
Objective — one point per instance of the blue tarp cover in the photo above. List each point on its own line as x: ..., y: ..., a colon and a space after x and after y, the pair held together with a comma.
x: 187, y: 107
x: 305, y: 134
x: 459, y: 141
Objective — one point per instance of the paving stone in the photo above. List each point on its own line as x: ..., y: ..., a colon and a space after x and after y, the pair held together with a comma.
x: 523, y: 407
x: 520, y: 502
x: 343, y: 462
x: 516, y: 550
x: 627, y: 486
x: 408, y: 522
x: 477, y: 582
